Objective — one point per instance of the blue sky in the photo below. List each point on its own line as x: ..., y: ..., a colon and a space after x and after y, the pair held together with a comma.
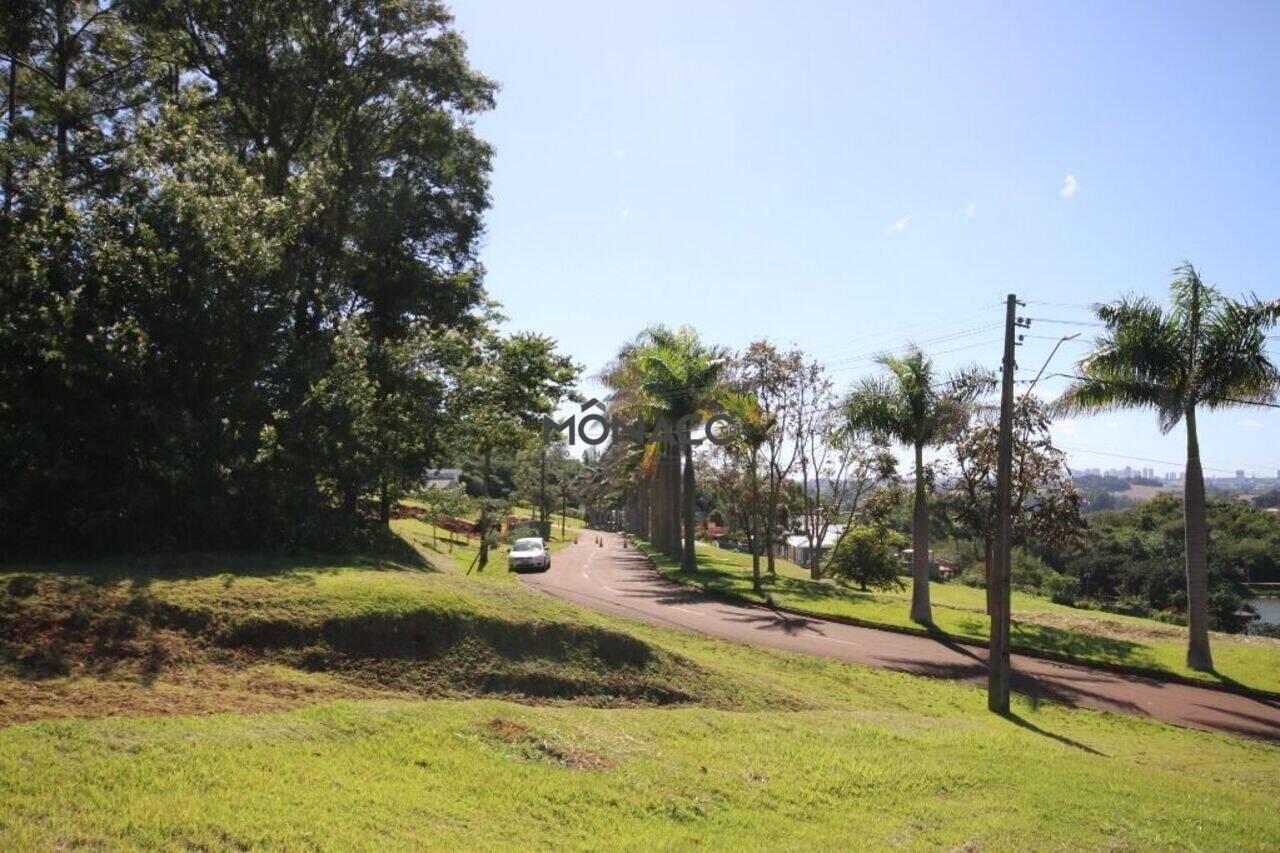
x: 848, y: 176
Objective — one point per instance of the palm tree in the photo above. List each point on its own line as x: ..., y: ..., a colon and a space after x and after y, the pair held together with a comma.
x: 911, y: 405
x: 683, y: 376
x: 752, y: 428
x: 1204, y: 351
x: 672, y: 377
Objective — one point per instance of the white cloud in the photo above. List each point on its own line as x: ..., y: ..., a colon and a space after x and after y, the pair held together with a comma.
x: 899, y: 226
x: 624, y: 212
x: 1250, y: 423
x: 1069, y: 187
x: 971, y: 210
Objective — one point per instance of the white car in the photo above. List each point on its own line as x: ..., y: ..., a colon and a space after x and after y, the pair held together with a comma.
x: 529, y: 553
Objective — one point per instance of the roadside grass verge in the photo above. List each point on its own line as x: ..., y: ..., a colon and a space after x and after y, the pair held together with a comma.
x: 1039, y: 625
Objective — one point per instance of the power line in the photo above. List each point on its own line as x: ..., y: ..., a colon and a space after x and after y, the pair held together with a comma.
x: 1068, y: 322
x: 1131, y: 457
x: 869, y: 354
x: 870, y: 362
x: 908, y: 329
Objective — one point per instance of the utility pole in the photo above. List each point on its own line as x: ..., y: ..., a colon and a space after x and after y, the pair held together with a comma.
x: 999, y: 596
x: 544, y: 525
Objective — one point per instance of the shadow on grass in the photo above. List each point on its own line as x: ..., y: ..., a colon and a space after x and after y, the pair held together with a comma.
x: 1080, y: 646
x: 1024, y: 723
x: 390, y: 553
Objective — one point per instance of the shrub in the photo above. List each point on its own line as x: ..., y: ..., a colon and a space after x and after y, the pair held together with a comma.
x: 1061, y: 589
x: 865, y: 556
x: 1228, y: 610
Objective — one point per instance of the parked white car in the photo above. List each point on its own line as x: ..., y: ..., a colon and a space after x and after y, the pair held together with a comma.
x: 530, y: 553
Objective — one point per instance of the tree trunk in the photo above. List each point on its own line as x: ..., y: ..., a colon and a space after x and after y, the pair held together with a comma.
x: 1198, y: 655
x: 544, y: 525
x: 653, y: 525
x: 384, y: 505
x: 771, y: 518
x: 752, y: 517
x: 920, y: 610
x: 485, y: 520
x: 990, y: 552
x: 674, y: 546
x: 61, y: 75
x: 689, y: 562
x: 8, y: 136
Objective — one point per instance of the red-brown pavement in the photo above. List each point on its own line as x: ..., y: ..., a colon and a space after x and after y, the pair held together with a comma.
x: 621, y: 581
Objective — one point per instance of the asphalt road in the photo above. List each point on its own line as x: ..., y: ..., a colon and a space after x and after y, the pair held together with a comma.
x: 621, y: 581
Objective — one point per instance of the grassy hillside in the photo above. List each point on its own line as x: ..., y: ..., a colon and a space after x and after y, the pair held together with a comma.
x: 1039, y: 625
x: 454, y: 552
x: 340, y: 703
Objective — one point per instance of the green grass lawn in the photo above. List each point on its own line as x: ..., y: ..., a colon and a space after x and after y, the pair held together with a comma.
x: 1039, y: 625
x: 454, y: 552
x: 337, y: 704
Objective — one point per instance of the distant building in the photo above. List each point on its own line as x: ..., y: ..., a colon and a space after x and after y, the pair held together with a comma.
x: 796, y: 547
x: 443, y: 478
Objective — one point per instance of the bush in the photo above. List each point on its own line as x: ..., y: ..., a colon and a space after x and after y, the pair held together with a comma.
x: 1026, y: 570
x: 865, y: 556
x: 1226, y: 607
x: 1061, y: 589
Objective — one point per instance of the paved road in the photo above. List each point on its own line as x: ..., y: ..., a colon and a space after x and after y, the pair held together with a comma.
x: 620, y: 581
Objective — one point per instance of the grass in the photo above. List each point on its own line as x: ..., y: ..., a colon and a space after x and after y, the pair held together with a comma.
x: 414, y: 704
x: 455, y: 552
x: 1039, y: 625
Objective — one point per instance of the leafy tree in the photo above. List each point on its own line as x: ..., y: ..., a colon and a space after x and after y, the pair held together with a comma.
x: 780, y: 382
x: 502, y: 396
x: 751, y: 432
x: 1206, y: 351
x: 918, y: 408
x: 1139, y: 554
x: 238, y: 260
x: 865, y: 556
x: 1044, y: 499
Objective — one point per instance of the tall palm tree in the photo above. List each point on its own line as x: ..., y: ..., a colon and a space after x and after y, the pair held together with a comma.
x: 671, y: 376
x: 914, y: 406
x: 683, y: 376
x: 752, y: 428
x: 648, y: 476
x: 1204, y: 351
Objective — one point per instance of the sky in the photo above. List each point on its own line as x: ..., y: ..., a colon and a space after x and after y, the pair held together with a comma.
x: 848, y: 176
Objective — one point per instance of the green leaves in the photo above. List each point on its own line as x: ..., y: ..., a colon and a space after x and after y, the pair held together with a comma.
x: 912, y: 405
x: 1205, y: 350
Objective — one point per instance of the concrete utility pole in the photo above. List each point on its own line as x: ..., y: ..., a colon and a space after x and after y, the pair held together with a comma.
x: 998, y: 657
x: 544, y: 525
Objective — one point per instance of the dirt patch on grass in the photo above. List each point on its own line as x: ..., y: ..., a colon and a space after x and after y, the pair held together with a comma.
x: 208, y: 689
x: 1102, y: 626
x: 531, y: 745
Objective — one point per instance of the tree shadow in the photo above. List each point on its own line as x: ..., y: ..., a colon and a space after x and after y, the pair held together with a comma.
x: 1023, y: 723
x: 388, y: 553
